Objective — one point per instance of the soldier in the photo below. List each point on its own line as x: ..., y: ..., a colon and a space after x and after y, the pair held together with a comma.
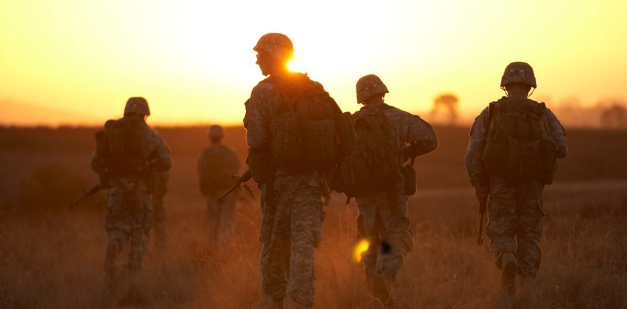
x: 129, y: 155
x: 291, y: 185
x: 216, y: 167
x: 160, y: 214
x: 383, y: 218
x: 511, y: 155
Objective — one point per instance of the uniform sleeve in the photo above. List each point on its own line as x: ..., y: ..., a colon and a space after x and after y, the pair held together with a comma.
x: 235, y: 162
x: 96, y: 163
x: 558, y: 133
x: 257, y: 118
x: 476, y: 145
x: 420, y: 131
x: 200, y: 168
x: 161, y: 153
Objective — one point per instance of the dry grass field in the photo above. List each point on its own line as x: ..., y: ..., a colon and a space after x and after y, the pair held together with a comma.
x: 52, y: 257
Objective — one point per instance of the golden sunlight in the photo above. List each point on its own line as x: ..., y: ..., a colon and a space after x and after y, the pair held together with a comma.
x: 361, y: 247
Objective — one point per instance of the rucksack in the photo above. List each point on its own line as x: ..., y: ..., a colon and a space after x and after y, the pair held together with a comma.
x: 122, y: 148
x: 519, y: 145
x: 373, y: 164
x: 309, y: 130
x: 216, y: 172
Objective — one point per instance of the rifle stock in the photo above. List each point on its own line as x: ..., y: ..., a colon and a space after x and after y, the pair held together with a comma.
x: 87, y: 194
x: 245, y: 177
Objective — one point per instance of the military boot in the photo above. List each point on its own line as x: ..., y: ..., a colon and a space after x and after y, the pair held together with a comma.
x: 270, y: 303
x: 509, y: 267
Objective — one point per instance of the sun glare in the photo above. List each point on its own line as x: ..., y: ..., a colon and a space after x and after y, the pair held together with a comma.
x: 361, y: 247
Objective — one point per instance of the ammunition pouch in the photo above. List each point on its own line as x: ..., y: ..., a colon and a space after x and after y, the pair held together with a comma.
x: 260, y: 165
x: 409, y: 175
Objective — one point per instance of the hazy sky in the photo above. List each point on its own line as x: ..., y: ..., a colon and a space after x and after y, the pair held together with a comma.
x: 193, y: 60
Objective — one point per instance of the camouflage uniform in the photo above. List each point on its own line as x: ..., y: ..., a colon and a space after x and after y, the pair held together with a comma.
x: 292, y: 219
x: 383, y: 219
x: 221, y: 217
x: 515, y: 210
x: 159, y: 213
x: 129, y: 210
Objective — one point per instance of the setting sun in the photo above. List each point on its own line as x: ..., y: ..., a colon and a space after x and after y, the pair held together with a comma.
x: 76, y: 62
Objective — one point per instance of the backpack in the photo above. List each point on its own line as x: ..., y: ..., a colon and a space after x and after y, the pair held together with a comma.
x: 373, y: 164
x: 309, y: 130
x: 519, y: 145
x: 216, y: 173
x: 122, y: 148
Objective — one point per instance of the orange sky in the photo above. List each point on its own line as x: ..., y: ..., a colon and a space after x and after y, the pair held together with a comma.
x: 76, y: 62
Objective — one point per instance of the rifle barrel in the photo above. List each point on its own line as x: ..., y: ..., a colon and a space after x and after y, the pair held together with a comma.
x: 245, y: 177
x: 87, y: 194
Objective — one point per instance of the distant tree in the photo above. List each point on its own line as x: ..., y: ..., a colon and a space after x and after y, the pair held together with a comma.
x: 447, y: 104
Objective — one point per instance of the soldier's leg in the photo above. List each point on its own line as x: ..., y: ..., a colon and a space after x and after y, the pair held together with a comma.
x: 115, y: 243
x: 160, y: 216
x: 227, y: 221
x: 275, y: 236
x: 396, y: 236
x: 142, y: 223
x: 306, y: 233
x: 368, y: 225
x: 530, y: 214
x: 212, y: 220
x: 118, y: 225
x: 502, y: 215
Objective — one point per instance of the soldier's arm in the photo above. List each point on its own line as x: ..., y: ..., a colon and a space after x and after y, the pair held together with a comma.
x: 96, y: 163
x: 420, y: 135
x: 161, y: 153
x: 257, y: 118
x: 200, y: 168
x: 235, y: 162
x: 476, y: 146
x: 558, y: 133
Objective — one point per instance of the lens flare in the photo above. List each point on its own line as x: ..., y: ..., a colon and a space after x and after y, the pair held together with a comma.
x: 361, y: 247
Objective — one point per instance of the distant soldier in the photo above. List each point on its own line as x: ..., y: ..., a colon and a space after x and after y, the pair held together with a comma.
x: 291, y: 135
x: 129, y: 155
x: 159, y: 212
x: 511, y: 155
x: 216, y: 167
x: 383, y: 219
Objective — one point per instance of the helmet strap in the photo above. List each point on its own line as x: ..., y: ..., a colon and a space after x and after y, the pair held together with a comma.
x: 532, y: 90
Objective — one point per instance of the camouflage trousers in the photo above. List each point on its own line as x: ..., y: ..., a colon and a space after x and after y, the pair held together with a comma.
x: 221, y: 219
x: 291, y: 229
x: 515, y: 222
x: 159, y: 220
x: 383, y: 220
x: 128, y: 218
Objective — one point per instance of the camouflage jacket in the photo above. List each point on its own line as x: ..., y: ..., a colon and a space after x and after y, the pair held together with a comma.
x: 478, y: 140
x: 407, y: 128
x: 154, y: 148
x: 258, y: 120
x: 230, y: 163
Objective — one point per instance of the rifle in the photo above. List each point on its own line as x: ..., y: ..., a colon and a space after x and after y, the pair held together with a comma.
x: 242, y: 179
x: 87, y: 194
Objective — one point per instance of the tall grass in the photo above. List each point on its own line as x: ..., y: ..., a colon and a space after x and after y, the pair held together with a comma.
x: 54, y: 260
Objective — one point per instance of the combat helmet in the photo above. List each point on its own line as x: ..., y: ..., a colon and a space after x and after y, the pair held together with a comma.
x: 215, y: 131
x: 277, y: 45
x: 519, y: 72
x: 137, y: 105
x: 368, y: 86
